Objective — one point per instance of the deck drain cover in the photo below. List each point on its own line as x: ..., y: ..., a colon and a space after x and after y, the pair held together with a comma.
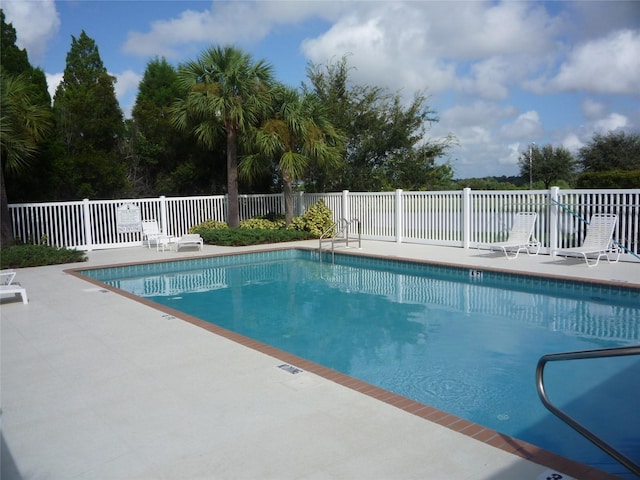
x: 290, y: 368
x: 95, y: 289
x: 553, y: 475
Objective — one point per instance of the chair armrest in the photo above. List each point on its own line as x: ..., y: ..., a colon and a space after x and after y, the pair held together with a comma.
x: 7, y: 276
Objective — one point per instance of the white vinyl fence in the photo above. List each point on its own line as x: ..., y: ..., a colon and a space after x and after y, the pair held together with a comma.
x: 455, y: 218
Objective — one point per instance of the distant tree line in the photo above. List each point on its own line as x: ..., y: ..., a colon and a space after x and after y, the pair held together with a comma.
x: 609, y: 160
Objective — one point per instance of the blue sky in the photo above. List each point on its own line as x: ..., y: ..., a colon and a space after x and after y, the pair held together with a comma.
x: 500, y: 75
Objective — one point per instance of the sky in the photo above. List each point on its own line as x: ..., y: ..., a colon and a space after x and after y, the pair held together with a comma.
x: 500, y: 76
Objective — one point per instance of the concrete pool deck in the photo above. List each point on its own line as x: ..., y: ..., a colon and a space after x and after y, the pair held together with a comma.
x: 95, y: 385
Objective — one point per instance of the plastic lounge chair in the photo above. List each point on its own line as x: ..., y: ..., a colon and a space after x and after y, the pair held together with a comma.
x: 151, y: 232
x: 7, y: 285
x: 190, y: 240
x: 598, y: 241
x: 520, y: 237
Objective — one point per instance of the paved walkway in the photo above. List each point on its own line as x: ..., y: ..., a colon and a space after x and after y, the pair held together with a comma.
x: 98, y: 386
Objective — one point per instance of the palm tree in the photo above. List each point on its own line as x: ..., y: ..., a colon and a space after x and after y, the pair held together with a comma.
x: 225, y: 90
x: 297, y: 136
x: 24, y: 122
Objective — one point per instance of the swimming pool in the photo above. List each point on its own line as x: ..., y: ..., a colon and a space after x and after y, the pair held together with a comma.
x: 461, y: 340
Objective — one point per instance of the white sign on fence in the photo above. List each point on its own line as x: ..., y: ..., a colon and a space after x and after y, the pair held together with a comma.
x: 128, y: 218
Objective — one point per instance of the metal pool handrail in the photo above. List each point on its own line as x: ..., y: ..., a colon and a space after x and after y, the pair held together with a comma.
x: 589, y: 435
x: 339, y: 228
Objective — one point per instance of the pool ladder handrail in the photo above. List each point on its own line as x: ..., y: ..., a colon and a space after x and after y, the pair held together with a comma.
x: 581, y: 429
x: 339, y: 234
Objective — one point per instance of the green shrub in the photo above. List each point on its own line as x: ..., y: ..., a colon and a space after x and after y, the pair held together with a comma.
x: 610, y: 179
x: 236, y: 237
x: 317, y: 220
x: 262, y: 224
x: 208, y: 225
x: 270, y: 228
x: 38, y: 255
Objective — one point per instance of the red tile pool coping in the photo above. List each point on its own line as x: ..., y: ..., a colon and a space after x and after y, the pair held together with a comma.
x: 490, y: 437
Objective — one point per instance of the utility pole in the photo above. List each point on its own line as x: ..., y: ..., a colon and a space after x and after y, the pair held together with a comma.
x: 531, y: 165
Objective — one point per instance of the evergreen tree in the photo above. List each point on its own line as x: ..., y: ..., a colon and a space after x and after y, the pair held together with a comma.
x: 613, y: 151
x: 611, y: 161
x: 385, y: 144
x: 89, y: 126
x: 14, y: 60
x: 161, y: 160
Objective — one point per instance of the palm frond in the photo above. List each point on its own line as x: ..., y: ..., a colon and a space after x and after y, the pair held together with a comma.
x: 24, y: 122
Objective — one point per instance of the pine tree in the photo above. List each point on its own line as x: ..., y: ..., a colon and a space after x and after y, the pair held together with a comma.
x: 13, y: 60
x: 89, y: 124
x: 161, y: 160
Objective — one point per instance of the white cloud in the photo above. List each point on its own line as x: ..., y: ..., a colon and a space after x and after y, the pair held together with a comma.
x: 572, y: 143
x: 574, y: 137
x: 598, y: 18
x: 166, y: 35
x: 612, y: 122
x: 482, y: 29
x: 386, y: 47
x: 592, y: 109
x: 479, y: 49
x: 526, y: 126
x: 53, y: 80
x: 126, y: 87
x: 489, y: 78
x: 223, y: 23
x: 35, y: 23
x: 480, y: 150
x: 127, y: 82
x: 478, y: 113
x: 606, y: 65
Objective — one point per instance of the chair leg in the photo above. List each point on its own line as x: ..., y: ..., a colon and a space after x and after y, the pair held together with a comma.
x: 22, y: 293
x: 514, y: 256
x: 586, y: 259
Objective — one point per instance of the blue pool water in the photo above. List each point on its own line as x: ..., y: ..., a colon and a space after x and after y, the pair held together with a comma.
x: 464, y: 343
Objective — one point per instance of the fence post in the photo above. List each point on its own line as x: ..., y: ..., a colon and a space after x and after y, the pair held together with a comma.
x: 554, y: 228
x: 86, y: 214
x: 399, y: 215
x: 298, y: 204
x: 163, y: 215
x: 345, y: 205
x: 466, y: 217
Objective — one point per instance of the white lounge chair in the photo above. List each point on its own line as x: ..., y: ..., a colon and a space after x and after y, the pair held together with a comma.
x: 189, y: 240
x: 151, y: 232
x: 7, y: 285
x: 598, y: 241
x: 520, y: 237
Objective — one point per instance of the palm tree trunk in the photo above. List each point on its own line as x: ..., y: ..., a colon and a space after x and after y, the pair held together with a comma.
x: 233, y: 218
x: 288, y: 199
x: 6, y: 235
